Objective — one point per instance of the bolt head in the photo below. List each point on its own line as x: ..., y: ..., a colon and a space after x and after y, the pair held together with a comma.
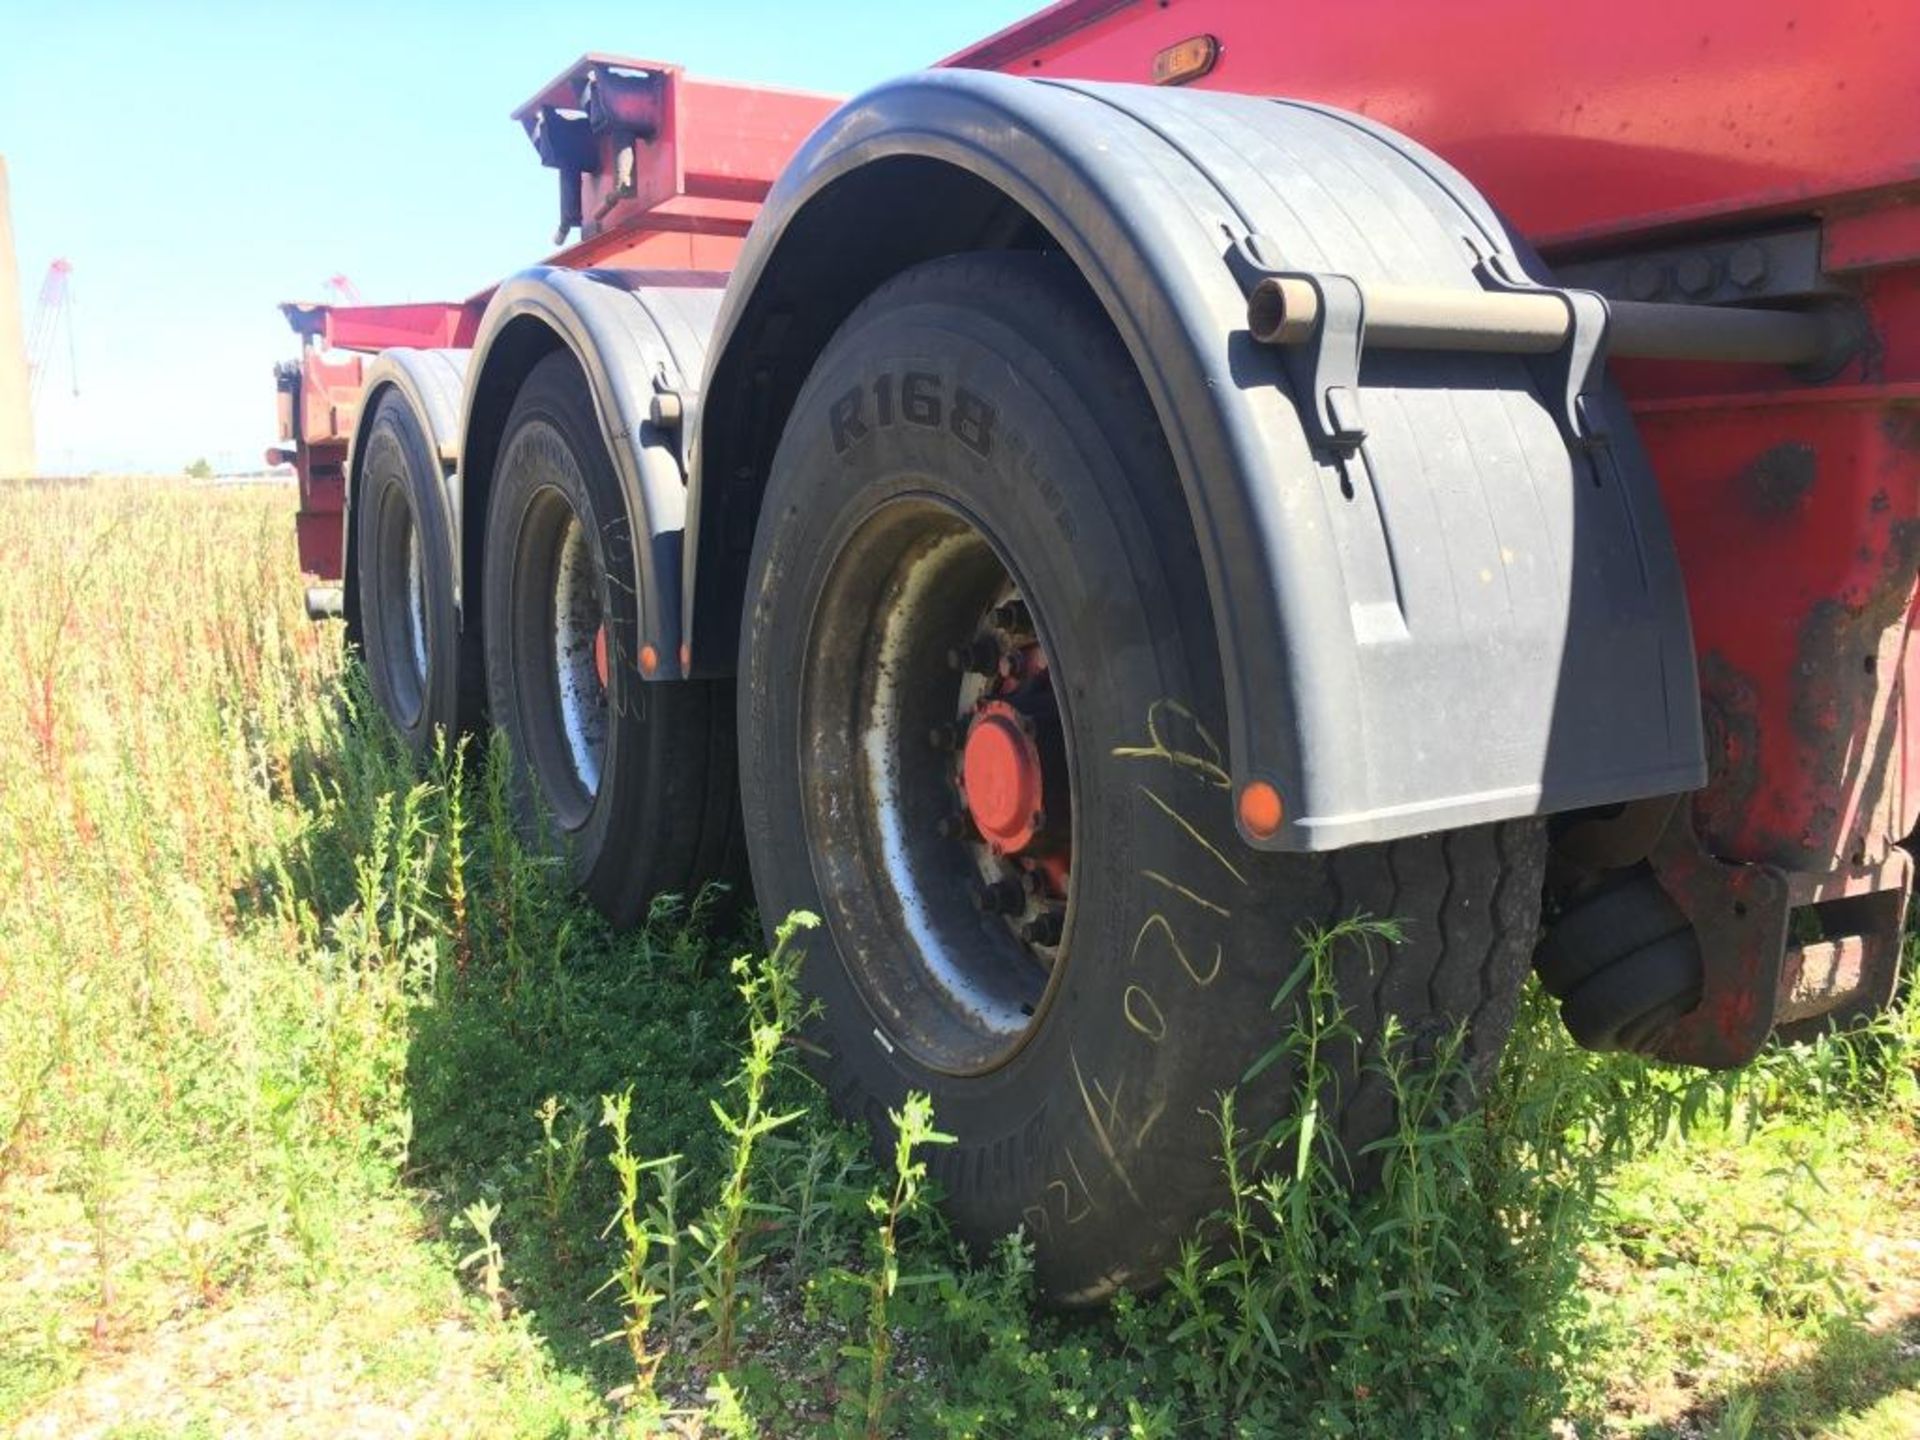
x: 978, y: 656
x: 1646, y: 280
x: 1747, y: 266
x: 1013, y: 615
x: 1043, y: 929
x: 1695, y: 275
x: 1001, y: 897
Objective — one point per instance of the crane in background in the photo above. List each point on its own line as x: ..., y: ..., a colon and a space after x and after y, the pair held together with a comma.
x: 51, y: 314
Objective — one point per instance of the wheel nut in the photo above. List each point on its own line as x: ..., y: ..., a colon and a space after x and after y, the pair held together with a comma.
x: 1002, y: 897
x: 1013, y: 665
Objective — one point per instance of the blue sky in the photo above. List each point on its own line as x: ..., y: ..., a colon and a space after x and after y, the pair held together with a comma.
x: 198, y: 163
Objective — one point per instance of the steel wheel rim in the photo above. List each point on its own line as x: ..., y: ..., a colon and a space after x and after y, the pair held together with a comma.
x: 900, y: 865
x: 577, y: 622
x: 403, y: 628
x: 416, y: 604
x: 557, y: 615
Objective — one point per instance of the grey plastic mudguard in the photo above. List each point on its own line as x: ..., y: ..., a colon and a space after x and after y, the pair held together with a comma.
x: 431, y: 382
x: 635, y: 334
x: 1467, y: 619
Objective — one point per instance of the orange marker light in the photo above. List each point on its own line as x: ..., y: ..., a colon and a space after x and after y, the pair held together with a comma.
x: 686, y: 657
x: 1260, y: 810
x: 1188, y: 60
x: 649, y: 660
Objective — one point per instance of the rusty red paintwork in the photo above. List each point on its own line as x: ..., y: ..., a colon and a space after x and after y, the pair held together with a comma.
x: 1798, y: 525
x: 1791, y: 951
x: 1739, y: 915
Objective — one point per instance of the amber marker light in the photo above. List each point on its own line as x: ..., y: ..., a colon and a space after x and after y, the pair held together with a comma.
x: 1260, y: 810
x: 649, y: 660
x: 1188, y: 60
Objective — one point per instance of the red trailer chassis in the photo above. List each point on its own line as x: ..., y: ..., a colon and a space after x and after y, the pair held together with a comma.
x: 1750, y: 153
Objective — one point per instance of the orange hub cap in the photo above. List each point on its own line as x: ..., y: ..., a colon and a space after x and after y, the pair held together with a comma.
x: 1260, y: 810
x: 1003, y: 780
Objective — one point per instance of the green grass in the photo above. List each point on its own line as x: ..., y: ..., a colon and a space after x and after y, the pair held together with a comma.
x: 322, y: 1109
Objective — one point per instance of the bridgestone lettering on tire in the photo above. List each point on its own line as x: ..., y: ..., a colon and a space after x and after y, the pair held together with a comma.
x: 425, y: 675
x: 631, y: 782
x: 973, y: 527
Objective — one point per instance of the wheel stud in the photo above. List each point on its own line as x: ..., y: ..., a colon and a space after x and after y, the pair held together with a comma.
x: 978, y: 656
x: 1044, y: 929
x: 1014, y: 616
x: 1001, y: 897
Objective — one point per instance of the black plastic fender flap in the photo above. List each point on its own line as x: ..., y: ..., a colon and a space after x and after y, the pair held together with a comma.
x: 1443, y: 581
x: 640, y: 338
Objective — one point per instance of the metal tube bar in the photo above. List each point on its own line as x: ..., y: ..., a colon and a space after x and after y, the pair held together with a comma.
x: 1643, y: 331
x: 1286, y: 311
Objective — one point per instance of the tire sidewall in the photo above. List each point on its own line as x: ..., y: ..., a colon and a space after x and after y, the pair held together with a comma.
x: 548, y: 443
x: 400, y: 464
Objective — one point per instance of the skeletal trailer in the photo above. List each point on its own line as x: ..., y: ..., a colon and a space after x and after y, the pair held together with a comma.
x: 1076, y: 520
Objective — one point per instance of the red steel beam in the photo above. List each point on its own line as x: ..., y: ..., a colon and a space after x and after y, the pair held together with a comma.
x: 1582, y: 122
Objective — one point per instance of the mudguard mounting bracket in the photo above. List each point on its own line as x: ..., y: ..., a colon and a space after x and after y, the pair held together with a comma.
x: 1326, y: 367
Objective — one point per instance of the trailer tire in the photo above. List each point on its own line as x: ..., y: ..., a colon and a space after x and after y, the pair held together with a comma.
x: 631, y: 782
x: 425, y: 673
x: 975, y: 436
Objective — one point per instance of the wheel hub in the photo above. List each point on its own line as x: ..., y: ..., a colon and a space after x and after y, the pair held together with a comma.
x: 1004, y: 782
x: 936, y: 771
x: 1011, y: 778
